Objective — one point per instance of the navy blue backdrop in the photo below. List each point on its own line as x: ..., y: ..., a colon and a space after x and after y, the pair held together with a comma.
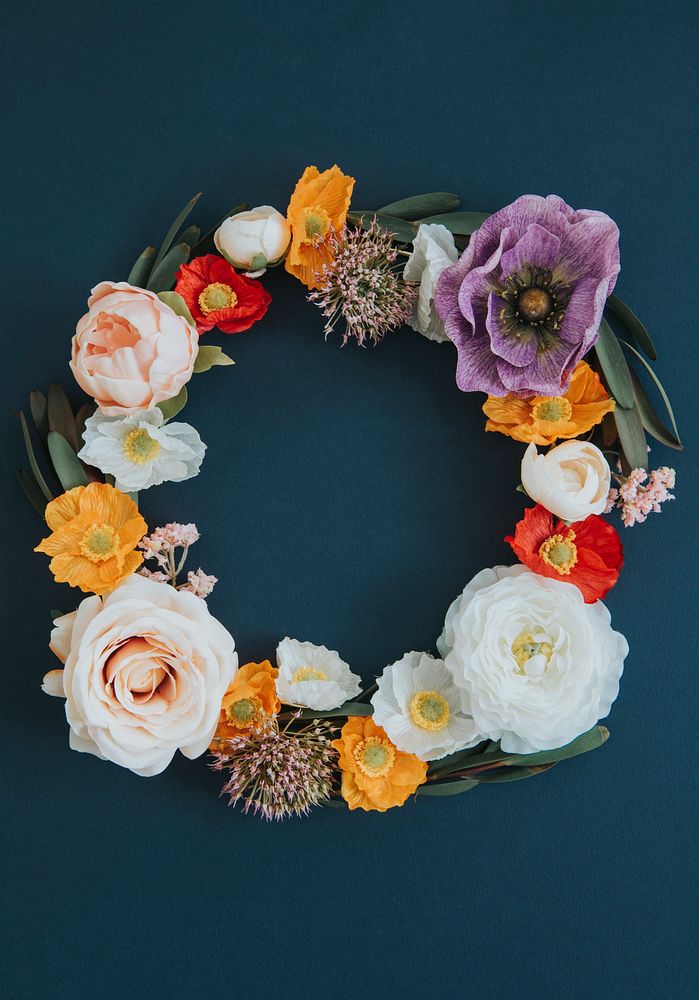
x: 346, y: 497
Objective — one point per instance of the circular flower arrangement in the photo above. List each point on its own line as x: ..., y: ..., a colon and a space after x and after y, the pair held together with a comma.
x: 527, y: 663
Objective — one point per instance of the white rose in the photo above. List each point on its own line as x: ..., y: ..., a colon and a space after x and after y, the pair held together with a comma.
x: 253, y: 240
x: 537, y: 666
x: 145, y: 672
x: 313, y: 676
x: 571, y: 480
x: 433, y: 251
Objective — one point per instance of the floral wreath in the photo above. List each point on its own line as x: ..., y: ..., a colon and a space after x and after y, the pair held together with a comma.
x: 527, y: 661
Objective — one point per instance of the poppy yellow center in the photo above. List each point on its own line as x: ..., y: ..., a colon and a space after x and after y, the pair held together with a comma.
x: 217, y: 296
x: 374, y: 757
x: 308, y: 674
x: 140, y: 447
x: 553, y: 409
x: 316, y: 225
x: 429, y: 710
x: 244, y: 712
x: 100, y: 542
x: 528, y: 645
x: 560, y: 552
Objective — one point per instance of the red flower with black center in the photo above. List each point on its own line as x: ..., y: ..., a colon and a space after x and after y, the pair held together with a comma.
x: 587, y: 553
x: 216, y: 295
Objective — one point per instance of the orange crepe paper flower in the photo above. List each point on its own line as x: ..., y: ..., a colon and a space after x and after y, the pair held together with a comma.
x: 317, y: 208
x: 587, y: 553
x: 95, y: 530
x: 250, y: 699
x: 546, y: 419
x: 375, y: 774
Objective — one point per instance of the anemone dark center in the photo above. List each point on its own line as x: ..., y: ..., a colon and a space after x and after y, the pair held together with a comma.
x: 534, y: 304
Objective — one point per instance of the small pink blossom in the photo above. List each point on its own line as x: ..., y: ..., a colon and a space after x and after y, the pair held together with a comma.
x: 156, y: 576
x: 640, y: 494
x: 199, y: 583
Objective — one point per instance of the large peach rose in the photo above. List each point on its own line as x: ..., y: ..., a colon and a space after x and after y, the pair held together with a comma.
x: 145, y: 671
x: 130, y: 350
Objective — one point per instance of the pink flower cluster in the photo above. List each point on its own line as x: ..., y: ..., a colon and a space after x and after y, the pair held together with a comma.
x: 640, y: 494
x: 164, y: 540
x: 161, y: 546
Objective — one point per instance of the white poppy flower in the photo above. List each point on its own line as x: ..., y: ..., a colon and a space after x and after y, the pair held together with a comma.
x: 139, y: 451
x: 420, y: 708
x: 536, y: 666
x: 313, y: 676
x: 571, y: 480
x: 433, y: 251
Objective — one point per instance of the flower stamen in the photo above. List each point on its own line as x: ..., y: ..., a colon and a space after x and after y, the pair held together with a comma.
x: 217, y: 296
x: 100, y: 542
x: 552, y: 409
x: 526, y: 648
x: 374, y: 757
x: 429, y: 710
x: 316, y: 225
x: 560, y: 552
x: 244, y: 713
x: 308, y: 674
x: 139, y: 447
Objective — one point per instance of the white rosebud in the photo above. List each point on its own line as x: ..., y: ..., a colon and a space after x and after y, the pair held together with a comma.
x: 572, y: 480
x: 253, y: 240
x: 433, y: 251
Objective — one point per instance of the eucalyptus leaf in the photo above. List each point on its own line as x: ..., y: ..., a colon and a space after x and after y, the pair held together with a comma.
x: 32, y: 491
x: 658, y: 384
x: 191, y: 235
x: 349, y: 708
x: 459, y: 223
x: 459, y: 760
x: 650, y: 419
x: 614, y: 366
x: 138, y: 275
x: 173, y: 231
x: 419, y: 205
x: 447, y: 787
x: 403, y: 231
x: 39, y: 411
x: 171, y: 407
x: 632, y: 437
x: 515, y: 774
x: 81, y: 417
x: 632, y: 324
x: 60, y: 416
x: 209, y: 356
x: 177, y: 304
x: 163, y: 274
x: 34, y: 465
x: 590, y: 740
x: 56, y: 613
x: 68, y: 466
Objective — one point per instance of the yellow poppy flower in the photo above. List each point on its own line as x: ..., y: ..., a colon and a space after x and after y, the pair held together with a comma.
x: 375, y: 773
x: 251, y: 697
x: 318, y: 207
x: 546, y: 419
x: 95, y: 530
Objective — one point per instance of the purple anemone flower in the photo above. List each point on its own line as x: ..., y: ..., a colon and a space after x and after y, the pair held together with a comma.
x: 524, y: 302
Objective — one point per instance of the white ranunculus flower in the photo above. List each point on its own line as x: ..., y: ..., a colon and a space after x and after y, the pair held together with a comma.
x: 571, y: 480
x: 139, y: 451
x: 537, y: 666
x: 433, y: 251
x: 313, y: 676
x: 145, y: 671
x: 420, y: 708
x: 253, y: 240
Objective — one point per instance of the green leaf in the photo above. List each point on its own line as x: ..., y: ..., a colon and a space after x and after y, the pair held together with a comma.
x: 60, y: 415
x: 614, y: 366
x: 447, y: 787
x: 658, y: 385
x: 459, y: 760
x: 39, y: 411
x: 172, y: 233
x: 420, y: 205
x: 632, y: 324
x: 590, y: 740
x: 404, y: 232
x: 348, y: 709
x: 138, y: 275
x: 171, y: 407
x: 650, y: 419
x: 515, y: 774
x: 85, y: 411
x: 34, y: 465
x: 190, y: 236
x: 56, y: 613
x: 163, y: 274
x: 209, y: 356
x: 177, y: 304
x: 68, y: 466
x: 32, y: 491
x: 632, y: 437
x: 459, y: 223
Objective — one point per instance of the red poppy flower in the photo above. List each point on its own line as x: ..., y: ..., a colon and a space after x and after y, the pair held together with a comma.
x: 587, y: 553
x: 217, y: 295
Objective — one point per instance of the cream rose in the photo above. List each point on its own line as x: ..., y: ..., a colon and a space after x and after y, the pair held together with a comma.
x: 253, y: 240
x: 433, y: 251
x: 536, y: 666
x: 145, y: 671
x: 130, y: 350
x: 571, y: 480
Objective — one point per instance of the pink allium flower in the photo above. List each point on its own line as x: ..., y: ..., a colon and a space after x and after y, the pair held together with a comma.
x: 640, y: 494
x: 199, y: 583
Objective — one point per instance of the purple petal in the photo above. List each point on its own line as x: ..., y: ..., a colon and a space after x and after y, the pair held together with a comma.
x: 584, y: 311
x: 538, y: 246
x: 519, y: 351
x: 548, y: 376
x: 590, y: 247
x: 476, y: 369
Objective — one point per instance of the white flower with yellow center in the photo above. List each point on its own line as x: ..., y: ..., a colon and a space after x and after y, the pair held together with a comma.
x: 536, y: 666
x: 139, y: 451
x: 313, y: 676
x: 420, y: 708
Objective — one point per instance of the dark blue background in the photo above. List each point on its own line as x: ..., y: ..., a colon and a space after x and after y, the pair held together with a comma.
x: 346, y: 497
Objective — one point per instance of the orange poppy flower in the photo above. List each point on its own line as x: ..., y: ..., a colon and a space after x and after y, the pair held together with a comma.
x: 251, y: 697
x: 375, y: 773
x: 317, y: 208
x: 546, y: 419
x: 95, y: 530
